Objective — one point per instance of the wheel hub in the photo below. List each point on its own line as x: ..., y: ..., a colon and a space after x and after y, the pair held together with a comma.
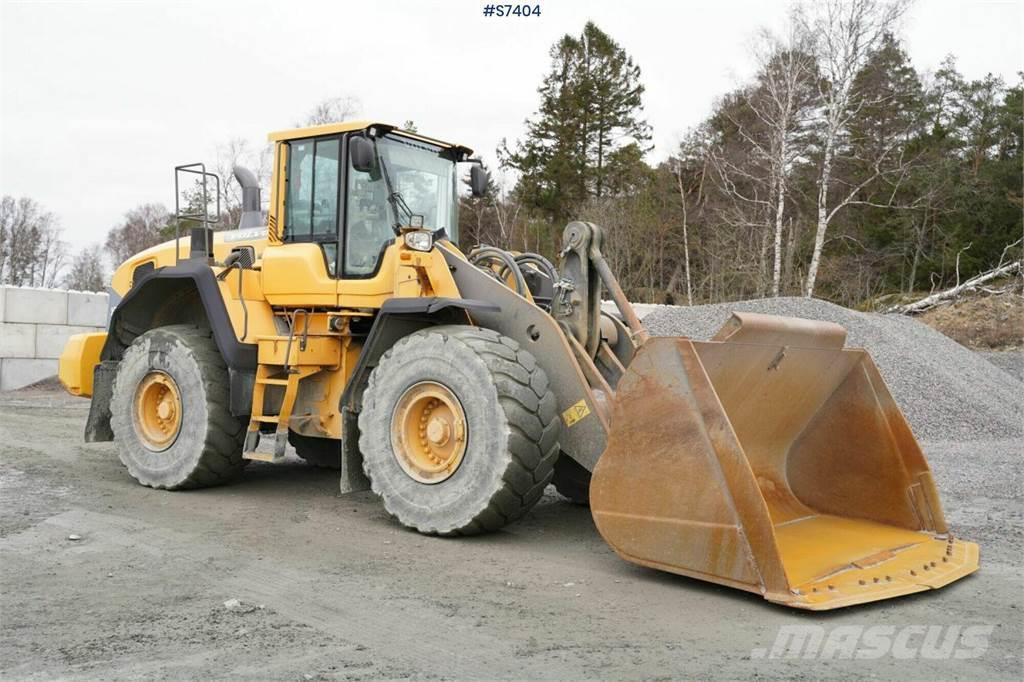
x: 428, y: 432
x: 157, y: 411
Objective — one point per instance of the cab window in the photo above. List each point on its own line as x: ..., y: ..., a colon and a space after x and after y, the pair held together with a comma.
x: 424, y: 181
x: 311, y: 201
x: 370, y: 222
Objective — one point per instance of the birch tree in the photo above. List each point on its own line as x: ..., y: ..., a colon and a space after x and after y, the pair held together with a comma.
x: 783, y: 103
x: 845, y: 33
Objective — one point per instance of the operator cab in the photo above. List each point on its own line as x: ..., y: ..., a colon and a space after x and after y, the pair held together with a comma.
x: 351, y: 188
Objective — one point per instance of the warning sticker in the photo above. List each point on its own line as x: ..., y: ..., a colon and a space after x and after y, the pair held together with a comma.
x: 575, y: 413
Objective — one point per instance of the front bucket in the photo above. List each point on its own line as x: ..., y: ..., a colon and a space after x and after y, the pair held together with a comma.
x: 773, y: 460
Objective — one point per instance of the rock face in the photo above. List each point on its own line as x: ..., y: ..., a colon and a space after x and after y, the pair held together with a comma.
x: 946, y: 390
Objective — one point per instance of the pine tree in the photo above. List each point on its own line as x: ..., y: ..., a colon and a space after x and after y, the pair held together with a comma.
x: 591, y: 108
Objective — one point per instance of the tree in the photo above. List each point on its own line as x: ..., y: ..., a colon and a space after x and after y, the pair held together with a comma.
x: 31, y: 251
x: 87, y: 271
x: 845, y: 34
x: 591, y: 107
x: 237, y: 152
x: 144, y: 226
x: 332, y: 110
x: 884, y: 160
x: 783, y: 101
x: 690, y: 170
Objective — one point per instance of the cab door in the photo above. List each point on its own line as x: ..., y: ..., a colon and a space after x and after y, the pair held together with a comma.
x: 302, y: 269
x: 366, y: 264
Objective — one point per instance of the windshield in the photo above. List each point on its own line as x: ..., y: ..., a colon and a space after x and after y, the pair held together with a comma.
x: 422, y: 174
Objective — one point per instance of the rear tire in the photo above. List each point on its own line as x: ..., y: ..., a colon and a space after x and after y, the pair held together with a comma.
x: 510, y: 430
x: 206, y: 447
x: 318, y: 452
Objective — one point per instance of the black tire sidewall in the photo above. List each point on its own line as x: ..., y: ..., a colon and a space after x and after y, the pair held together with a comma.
x: 458, y: 499
x: 161, y: 350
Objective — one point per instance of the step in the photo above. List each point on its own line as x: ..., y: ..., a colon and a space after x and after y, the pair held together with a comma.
x: 270, y: 457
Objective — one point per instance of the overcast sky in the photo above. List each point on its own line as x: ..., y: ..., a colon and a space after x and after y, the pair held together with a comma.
x: 99, y: 100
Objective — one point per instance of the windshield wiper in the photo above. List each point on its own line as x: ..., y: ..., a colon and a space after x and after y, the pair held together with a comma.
x: 394, y: 197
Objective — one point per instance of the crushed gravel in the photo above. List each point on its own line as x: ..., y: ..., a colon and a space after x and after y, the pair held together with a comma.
x: 1011, y: 361
x: 946, y: 390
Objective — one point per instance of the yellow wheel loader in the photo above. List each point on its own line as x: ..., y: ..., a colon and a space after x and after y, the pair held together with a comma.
x: 459, y: 385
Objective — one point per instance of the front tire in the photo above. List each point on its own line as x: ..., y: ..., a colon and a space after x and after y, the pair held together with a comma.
x: 459, y: 430
x: 169, y: 411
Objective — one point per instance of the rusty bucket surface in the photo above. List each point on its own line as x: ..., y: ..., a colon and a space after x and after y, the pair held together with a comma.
x: 773, y: 460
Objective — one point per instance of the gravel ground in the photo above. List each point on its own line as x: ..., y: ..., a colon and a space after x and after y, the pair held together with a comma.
x: 276, y: 576
x: 947, y: 391
x: 346, y: 594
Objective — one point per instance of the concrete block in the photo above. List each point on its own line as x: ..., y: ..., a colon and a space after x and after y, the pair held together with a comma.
x: 17, y: 340
x: 3, y: 298
x: 43, y: 306
x: 88, y: 310
x: 20, y: 372
x: 50, y: 339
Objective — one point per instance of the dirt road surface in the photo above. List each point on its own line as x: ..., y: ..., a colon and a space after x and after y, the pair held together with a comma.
x: 329, y: 587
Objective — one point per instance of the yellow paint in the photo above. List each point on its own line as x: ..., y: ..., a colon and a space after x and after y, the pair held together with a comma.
x: 832, y: 561
x: 323, y: 351
x: 429, y: 432
x: 80, y: 356
x: 163, y: 255
x: 295, y: 275
x: 158, y: 412
x: 575, y: 413
x: 256, y: 318
x: 275, y: 214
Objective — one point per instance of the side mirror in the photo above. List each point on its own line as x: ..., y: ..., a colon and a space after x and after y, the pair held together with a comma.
x: 360, y: 151
x: 478, y: 179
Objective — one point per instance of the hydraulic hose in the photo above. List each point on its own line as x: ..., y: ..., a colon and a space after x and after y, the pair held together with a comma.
x: 482, y: 255
x: 540, y: 262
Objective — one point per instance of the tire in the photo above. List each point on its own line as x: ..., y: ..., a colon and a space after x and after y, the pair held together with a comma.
x: 572, y: 481
x: 318, y: 452
x: 511, y: 430
x: 207, y: 449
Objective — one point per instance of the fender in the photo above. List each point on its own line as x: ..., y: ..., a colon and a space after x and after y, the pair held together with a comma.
x: 187, y: 292
x: 147, y: 301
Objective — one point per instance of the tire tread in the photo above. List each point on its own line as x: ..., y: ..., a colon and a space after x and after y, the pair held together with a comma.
x: 221, y: 459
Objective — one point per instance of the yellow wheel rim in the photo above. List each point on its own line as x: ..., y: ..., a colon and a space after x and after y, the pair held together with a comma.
x: 428, y: 432
x: 157, y: 411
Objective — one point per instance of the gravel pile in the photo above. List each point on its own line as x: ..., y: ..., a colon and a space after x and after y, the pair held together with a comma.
x: 947, y: 391
x: 1011, y: 361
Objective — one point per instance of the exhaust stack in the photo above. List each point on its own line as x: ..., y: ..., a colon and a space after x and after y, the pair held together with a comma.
x: 252, y: 214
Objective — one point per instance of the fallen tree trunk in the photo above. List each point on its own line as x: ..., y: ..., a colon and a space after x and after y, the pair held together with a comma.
x: 971, y: 284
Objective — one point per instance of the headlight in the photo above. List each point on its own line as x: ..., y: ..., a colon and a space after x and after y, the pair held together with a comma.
x: 419, y: 240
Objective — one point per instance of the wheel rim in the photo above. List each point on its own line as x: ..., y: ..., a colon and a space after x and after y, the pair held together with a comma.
x: 428, y: 432
x: 157, y: 411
